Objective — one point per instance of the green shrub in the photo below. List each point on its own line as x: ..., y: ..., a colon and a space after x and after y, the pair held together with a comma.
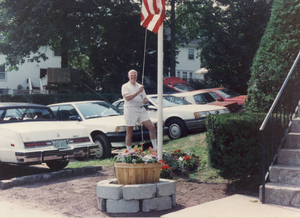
x: 277, y: 51
x: 234, y: 145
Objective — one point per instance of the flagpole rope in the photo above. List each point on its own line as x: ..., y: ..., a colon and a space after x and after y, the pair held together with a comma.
x: 143, y: 72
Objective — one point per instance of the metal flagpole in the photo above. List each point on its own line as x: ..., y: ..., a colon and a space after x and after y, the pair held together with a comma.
x: 160, y: 58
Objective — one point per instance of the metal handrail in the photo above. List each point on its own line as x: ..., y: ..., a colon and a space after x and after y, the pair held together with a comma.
x: 283, y: 113
x: 263, y: 125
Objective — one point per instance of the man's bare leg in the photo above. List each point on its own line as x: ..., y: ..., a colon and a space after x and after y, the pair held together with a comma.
x: 128, y: 139
x: 150, y: 126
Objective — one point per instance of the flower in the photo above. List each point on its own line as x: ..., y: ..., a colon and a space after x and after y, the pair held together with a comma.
x: 137, y: 155
x: 178, y: 163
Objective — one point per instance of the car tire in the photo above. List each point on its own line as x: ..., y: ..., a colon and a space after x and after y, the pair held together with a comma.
x: 57, y: 164
x: 104, y: 147
x: 177, y: 129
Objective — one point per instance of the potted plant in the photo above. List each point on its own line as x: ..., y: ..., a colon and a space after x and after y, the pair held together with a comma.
x: 137, y: 166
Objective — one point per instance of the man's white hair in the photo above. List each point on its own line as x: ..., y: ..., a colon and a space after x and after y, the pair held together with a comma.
x: 130, y: 71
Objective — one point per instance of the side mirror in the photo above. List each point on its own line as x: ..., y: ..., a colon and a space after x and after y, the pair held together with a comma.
x: 219, y: 99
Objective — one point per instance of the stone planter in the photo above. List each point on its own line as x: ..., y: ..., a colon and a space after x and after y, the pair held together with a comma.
x: 140, y: 173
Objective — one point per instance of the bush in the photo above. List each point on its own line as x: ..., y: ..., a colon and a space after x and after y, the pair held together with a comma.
x: 235, y: 146
x: 277, y: 51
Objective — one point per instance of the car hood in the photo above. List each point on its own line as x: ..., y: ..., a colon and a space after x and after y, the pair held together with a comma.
x: 41, y: 131
x: 193, y: 108
x: 240, y: 99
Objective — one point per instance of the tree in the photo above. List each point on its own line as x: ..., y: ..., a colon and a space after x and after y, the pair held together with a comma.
x: 122, y: 48
x: 68, y: 26
x: 229, y: 32
x: 277, y: 51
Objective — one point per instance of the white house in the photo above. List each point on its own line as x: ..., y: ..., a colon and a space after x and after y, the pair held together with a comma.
x: 30, y: 75
x: 189, y: 63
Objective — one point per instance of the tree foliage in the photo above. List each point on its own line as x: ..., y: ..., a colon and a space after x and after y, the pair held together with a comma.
x: 278, y: 49
x: 229, y: 32
x: 67, y: 26
x: 100, y: 39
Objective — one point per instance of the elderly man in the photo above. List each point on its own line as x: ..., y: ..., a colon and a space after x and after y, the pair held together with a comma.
x: 134, y: 112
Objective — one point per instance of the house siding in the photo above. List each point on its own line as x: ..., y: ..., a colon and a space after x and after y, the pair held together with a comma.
x: 28, y: 70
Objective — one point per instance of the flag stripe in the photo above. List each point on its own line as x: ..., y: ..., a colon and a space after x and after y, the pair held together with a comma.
x: 153, y: 14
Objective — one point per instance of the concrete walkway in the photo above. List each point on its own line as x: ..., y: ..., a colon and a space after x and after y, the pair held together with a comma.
x: 236, y: 206
x: 13, y: 210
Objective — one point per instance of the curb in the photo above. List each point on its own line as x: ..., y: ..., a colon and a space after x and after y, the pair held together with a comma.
x: 66, y: 173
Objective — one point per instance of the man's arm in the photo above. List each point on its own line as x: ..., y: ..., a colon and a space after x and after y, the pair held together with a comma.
x: 131, y: 96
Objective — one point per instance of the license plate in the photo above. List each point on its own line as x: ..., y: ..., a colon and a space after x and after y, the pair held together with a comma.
x: 60, y: 144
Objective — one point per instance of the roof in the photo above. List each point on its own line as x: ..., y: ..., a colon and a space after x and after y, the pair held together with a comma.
x: 20, y: 104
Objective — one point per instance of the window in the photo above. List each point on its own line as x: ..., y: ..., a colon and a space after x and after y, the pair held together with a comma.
x: 2, y: 72
x: 56, y: 53
x: 184, y: 76
x: 191, y: 54
x: 191, y: 75
x: 178, y: 73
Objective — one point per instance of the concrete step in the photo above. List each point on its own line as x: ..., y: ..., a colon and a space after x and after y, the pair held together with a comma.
x: 285, y: 174
x: 295, y: 125
x: 281, y: 194
x: 292, y: 140
x: 289, y: 156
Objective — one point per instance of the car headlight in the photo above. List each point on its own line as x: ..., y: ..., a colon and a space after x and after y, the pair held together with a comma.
x: 201, y: 114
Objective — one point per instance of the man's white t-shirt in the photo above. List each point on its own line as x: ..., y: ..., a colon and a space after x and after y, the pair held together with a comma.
x: 129, y: 88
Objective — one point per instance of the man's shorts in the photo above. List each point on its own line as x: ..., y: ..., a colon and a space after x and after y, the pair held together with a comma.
x: 134, y: 115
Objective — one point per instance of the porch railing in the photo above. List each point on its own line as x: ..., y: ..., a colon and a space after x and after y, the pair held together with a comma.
x: 278, y: 121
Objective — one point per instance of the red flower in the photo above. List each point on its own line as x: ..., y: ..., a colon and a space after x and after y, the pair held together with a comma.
x: 164, y: 167
x: 179, y: 150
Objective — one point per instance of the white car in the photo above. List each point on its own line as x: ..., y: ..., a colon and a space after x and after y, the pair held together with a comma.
x: 205, y: 97
x: 31, y: 134
x: 179, y: 115
x: 104, y: 122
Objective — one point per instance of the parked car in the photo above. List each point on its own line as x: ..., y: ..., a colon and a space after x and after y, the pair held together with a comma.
x: 228, y: 95
x: 180, y: 116
x: 104, y: 122
x: 205, y: 97
x: 31, y: 134
x: 177, y: 84
x: 220, y: 94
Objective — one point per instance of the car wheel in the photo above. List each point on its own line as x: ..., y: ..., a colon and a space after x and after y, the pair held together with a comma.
x: 104, y: 147
x: 177, y: 129
x: 57, y: 164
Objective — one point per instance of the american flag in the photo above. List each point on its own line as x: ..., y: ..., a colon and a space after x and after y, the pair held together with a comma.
x: 153, y: 14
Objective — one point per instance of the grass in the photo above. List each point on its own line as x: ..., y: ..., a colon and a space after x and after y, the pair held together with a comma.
x: 195, y: 143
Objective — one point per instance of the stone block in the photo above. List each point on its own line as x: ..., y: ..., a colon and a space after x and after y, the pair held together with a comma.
x: 5, y: 184
x: 139, y: 191
x: 107, y: 190
x: 101, y: 204
x: 156, y: 204
x: 122, y: 206
x: 165, y: 187
x: 173, y: 198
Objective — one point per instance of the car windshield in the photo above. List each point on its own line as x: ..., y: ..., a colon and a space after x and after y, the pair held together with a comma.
x: 98, y: 109
x: 170, y: 101
x: 227, y: 93
x: 25, y: 114
x: 182, y: 87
